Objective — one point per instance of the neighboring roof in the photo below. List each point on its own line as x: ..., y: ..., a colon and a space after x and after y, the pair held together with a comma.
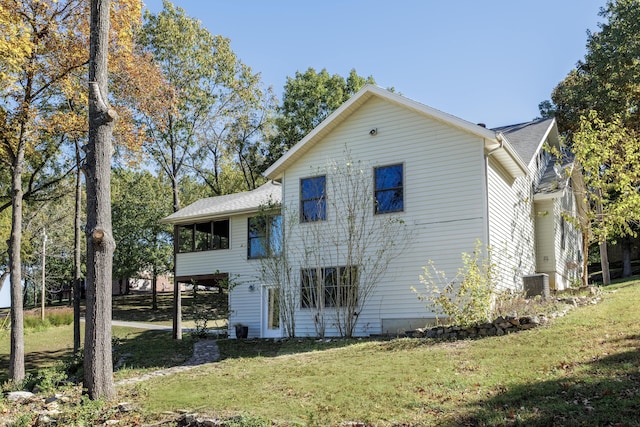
x: 505, y: 154
x: 212, y: 207
x: 527, y: 138
x: 555, y: 178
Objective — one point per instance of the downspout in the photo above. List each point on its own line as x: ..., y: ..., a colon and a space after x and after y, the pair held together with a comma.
x: 500, y: 140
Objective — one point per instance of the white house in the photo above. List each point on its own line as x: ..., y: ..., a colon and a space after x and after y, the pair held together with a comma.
x: 449, y: 182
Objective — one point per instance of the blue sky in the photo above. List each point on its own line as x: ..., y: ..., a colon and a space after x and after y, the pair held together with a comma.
x: 487, y: 61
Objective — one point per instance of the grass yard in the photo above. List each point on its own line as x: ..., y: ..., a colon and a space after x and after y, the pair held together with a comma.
x: 583, y: 369
x: 137, y: 308
x: 141, y: 350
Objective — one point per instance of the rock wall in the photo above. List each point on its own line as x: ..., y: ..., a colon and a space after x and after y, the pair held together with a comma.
x: 503, y: 324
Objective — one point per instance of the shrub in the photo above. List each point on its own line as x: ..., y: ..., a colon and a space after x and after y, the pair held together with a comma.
x: 200, y: 315
x: 516, y: 304
x: 467, y: 298
x: 56, y: 317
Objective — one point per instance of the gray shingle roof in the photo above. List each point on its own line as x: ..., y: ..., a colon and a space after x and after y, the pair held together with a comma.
x: 557, y: 175
x: 526, y: 137
x: 212, y: 207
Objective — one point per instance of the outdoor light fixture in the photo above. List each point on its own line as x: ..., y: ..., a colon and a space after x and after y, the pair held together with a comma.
x: 373, y: 131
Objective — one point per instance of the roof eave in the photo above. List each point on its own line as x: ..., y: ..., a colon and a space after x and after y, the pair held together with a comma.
x: 548, y: 196
x: 507, y: 155
x: 207, y: 216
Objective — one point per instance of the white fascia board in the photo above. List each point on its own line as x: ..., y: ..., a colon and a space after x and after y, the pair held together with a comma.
x: 212, y: 216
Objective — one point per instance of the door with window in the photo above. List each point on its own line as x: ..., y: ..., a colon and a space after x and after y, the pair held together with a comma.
x: 271, y: 327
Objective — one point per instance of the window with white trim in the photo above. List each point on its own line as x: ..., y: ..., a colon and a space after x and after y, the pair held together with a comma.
x: 389, y: 189
x: 329, y: 287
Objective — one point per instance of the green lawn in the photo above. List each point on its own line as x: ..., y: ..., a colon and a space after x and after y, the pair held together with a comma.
x: 583, y: 369
x: 137, y: 307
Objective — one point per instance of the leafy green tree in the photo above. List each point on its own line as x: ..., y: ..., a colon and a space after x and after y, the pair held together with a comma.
x: 605, y: 88
x: 231, y: 154
x: 209, y: 91
x: 607, y: 80
x: 42, y: 105
x: 143, y: 245
x: 609, y: 153
x: 55, y: 219
x: 308, y: 99
x: 35, y: 76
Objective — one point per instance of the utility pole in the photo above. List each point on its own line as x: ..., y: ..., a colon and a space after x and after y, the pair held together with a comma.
x: 44, y: 261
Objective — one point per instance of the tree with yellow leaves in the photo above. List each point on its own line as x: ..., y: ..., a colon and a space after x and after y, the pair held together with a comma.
x: 44, y: 108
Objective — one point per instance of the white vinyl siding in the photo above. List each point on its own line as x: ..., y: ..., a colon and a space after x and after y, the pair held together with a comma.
x: 563, y: 263
x: 444, y: 202
x: 242, y: 274
x: 545, y: 238
x: 511, y: 225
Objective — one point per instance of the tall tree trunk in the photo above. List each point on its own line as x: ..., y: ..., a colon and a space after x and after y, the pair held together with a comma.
x: 44, y: 263
x: 77, y: 255
x: 98, y: 365
x: 177, y: 297
x: 604, y: 263
x: 626, y: 256
x: 604, y: 255
x: 16, y: 358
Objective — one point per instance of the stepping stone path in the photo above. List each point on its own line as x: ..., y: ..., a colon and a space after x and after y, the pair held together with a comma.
x: 205, y: 351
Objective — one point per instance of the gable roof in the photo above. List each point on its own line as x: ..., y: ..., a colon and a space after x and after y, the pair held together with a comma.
x: 528, y: 137
x: 494, y: 141
x: 219, y: 206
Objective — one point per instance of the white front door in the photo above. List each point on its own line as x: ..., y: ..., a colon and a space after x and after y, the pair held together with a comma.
x: 271, y: 327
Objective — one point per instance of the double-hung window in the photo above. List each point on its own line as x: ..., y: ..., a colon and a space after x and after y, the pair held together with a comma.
x: 264, y: 237
x: 389, y: 189
x: 313, y: 202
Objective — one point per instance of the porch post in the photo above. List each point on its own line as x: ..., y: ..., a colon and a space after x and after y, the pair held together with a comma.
x: 177, y: 297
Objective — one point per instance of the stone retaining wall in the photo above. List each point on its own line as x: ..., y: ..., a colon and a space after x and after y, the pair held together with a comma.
x: 501, y: 325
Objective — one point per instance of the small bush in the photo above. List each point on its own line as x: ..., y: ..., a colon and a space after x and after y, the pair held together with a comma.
x: 56, y: 317
x: 48, y: 380
x: 87, y: 413
x: 24, y: 420
x: 516, y: 304
x: 60, y: 317
x: 248, y: 421
x: 200, y: 313
x: 466, y: 299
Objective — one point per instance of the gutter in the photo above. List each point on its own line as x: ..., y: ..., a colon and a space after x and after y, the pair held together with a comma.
x: 500, y: 140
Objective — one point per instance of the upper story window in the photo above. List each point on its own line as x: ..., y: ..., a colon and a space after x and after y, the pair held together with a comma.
x: 389, y: 189
x: 313, y: 202
x: 264, y: 236
x: 204, y: 236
